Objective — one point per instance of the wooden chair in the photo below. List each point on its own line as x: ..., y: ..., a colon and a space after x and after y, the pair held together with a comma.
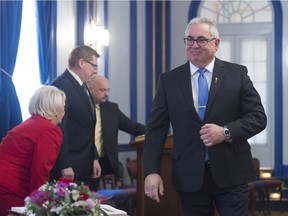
x: 131, y: 166
x: 256, y: 165
x: 260, y: 190
x: 110, y: 181
x: 276, y: 185
x: 257, y: 191
x: 123, y: 196
x: 132, y: 170
x: 257, y: 195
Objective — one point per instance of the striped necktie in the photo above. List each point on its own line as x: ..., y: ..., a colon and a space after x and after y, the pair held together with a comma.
x: 90, y: 100
x: 98, y: 132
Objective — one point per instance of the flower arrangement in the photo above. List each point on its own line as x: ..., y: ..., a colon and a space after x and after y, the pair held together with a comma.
x: 63, y: 198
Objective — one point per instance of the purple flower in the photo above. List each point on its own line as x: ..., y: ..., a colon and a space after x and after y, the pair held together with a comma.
x: 39, y: 197
x: 60, y: 192
x: 62, y: 185
x: 62, y: 198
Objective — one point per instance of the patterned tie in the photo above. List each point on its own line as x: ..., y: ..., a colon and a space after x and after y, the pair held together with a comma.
x: 202, y: 92
x: 98, y: 132
x: 90, y: 100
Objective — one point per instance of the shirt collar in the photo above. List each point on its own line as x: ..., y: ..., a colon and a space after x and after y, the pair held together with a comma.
x: 75, y: 76
x: 209, y: 67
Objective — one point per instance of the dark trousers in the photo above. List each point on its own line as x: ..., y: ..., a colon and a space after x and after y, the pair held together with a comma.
x: 106, y: 168
x: 228, y: 201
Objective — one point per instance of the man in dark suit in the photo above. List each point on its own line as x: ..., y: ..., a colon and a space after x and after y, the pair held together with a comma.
x: 211, y: 157
x: 78, y: 157
x: 111, y: 120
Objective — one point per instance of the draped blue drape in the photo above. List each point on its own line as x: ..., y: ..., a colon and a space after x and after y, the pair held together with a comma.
x: 10, y: 25
x: 46, y: 16
x: 81, y: 19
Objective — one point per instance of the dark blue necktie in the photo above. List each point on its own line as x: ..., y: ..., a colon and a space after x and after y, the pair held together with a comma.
x: 90, y: 100
x: 202, y: 92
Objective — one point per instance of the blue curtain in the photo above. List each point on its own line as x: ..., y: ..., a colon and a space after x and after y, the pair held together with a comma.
x: 80, y: 22
x: 10, y: 25
x: 46, y: 16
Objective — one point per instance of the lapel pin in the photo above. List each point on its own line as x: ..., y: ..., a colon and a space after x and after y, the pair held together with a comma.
x: 216, y: 78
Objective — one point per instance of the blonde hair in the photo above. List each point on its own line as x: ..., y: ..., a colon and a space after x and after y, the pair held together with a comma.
x: 47, y: 101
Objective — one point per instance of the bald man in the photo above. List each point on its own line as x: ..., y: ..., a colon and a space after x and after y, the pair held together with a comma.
x: 111, y: 120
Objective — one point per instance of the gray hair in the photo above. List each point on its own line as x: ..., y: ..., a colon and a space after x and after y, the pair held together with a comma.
x: 47, y: 101
x: 201, y: 20
x: 95, y: 79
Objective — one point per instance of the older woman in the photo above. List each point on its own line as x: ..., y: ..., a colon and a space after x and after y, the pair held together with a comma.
x: 29, y: 151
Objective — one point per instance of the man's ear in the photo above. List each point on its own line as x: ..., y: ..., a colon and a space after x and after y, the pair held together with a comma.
x: 217, y: 42
x: 81, y: 63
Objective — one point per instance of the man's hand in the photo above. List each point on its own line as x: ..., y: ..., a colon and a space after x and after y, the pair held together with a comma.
x: 96, y: 169
x: 211, y: 134
x: 154, y: 186
x: 68, y: 173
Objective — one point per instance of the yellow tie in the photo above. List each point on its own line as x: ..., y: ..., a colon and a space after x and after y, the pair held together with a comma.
x: 98, y: 132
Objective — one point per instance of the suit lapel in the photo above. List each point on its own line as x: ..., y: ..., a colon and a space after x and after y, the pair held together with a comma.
x: 184, y: 79
x: 218, y: 74
x: 80, y: 90
x: 107, y: 112
x: 103, y: 115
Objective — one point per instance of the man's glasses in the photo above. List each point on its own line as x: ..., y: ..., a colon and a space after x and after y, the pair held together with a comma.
x: 201, y: 41
x: 95, y: 66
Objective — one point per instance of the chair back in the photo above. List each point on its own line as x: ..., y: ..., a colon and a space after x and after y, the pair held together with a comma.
x: 256, y: 165
x: 132, y: 169
x: 113, y: 181
x: 109, y: 181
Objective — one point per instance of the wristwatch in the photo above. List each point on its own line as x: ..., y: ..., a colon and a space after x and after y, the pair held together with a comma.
x: 227, y: 134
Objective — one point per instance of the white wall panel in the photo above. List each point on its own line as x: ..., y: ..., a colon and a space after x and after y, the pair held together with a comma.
x: 66, y: 32
x: 119, y: 57
x: 179, y: 21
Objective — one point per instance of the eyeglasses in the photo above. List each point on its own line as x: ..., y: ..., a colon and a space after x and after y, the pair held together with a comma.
x: 201, y: 41
x: 95, y: 66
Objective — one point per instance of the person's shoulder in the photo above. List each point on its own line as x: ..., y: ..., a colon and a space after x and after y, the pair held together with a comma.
x: 47, y: 127
x: 38, y: 119
x: 109, y: 104
x: 61, y: 78
x: 228, y: 63
x: 176, y: 71
x: 179, y: 68
x: 41, y: 125
x: 64, y: 82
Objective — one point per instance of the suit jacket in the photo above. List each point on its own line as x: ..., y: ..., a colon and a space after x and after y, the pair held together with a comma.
x: 78, y: 149
x: 113, y: 120
x: 232, y: 101
x: 27, y: 155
